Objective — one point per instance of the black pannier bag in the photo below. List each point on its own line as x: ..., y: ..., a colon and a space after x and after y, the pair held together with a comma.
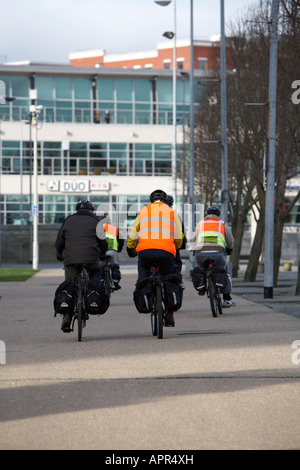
x: 97, y: 302
x: 221, y: 278
x: 173, y: 290
x: 198, y: 277
x: 143, y: 295
x: 64, y: 298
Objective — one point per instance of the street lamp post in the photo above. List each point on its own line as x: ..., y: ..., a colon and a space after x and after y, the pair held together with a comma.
x: 172, y: 35
x: 224, y: 119
x: 34, y: 112
x: 269, y: 215
x: 192, y: 118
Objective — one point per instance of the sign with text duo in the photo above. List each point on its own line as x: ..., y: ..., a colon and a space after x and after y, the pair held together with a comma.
x: 77, y: 186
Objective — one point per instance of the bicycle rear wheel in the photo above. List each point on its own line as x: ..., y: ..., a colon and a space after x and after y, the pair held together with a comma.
x: 212, y: 298
x: 159, y: 309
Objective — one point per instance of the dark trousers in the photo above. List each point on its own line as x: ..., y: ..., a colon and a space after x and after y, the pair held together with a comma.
x: 71, y: 270
x: 166, y: 265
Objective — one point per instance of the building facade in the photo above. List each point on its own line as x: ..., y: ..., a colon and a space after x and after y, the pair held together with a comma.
x: 206, y: 55
x: 102, y: 134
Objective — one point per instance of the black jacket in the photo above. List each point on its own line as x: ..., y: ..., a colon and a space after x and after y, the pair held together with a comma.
x: 77, y: 240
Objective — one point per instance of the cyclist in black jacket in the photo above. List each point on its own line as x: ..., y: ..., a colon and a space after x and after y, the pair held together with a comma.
x: 81, y: 240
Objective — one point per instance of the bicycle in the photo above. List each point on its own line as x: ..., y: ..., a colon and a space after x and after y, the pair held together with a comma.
x: 80, y: 291
x: 213, y: 290
x: 158, y: 312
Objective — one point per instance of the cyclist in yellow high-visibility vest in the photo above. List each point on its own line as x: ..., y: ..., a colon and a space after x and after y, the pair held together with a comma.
x: 214, y: 240
x: 115, y: 246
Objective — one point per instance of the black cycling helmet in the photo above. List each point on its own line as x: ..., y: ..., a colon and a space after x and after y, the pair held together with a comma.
x: 85, y: 204
x: 170, y: 200
x: 158, y: 195
x: 213, y: 210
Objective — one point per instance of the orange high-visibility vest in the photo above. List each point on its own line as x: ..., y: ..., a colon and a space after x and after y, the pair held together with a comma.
x: 111, y: 236
x: 211, y: 231
x: 157, y: 228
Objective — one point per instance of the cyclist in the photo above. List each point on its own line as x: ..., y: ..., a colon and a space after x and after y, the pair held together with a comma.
x: 78, y: 243
x: 156, y: 233
x: 214, y: 240
x: 115, y: 246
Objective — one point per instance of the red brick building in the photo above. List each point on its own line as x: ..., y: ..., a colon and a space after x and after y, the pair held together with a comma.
x: 206, y: 54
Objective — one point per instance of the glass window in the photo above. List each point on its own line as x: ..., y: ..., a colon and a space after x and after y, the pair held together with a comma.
x: 20, y: 86
x: 98, y: 158
x: 105, y: 89
x: 201, y: 64
x: 143, y: 151
x: 165, y: 91
x: 63, y: 87
x: 163, y: 151
x: 118, y: 150
x: 82, y: 88
x: 63, y: 111
x: 44, y: 86
x: 124, y: 89
x: 142, y: 90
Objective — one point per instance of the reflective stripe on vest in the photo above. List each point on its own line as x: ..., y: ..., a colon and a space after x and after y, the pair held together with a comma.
x: 211, y: 231
x: 157, y: 228
x: 111, y: 236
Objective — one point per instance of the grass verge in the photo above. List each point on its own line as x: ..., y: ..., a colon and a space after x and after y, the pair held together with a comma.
x: 16, y: 274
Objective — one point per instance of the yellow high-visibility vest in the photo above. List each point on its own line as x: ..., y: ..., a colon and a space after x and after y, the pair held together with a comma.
x: 211, y: 231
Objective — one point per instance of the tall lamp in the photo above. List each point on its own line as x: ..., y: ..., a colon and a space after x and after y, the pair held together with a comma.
x: 34, y: 113
x: 172, y: 35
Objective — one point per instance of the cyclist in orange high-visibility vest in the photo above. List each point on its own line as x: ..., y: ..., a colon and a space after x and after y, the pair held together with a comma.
x: 214, y: 240
x: 156, y: 233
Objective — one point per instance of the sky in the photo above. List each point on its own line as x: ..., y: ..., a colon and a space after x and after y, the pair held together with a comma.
x: 48, y: 30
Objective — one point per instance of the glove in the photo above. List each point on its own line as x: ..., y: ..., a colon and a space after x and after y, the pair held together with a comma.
x: 59, y: 257
x: 228, y: 251
x: 131, y: 252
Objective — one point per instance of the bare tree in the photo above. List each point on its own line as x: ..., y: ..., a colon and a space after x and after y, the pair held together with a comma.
x: 247, y: 83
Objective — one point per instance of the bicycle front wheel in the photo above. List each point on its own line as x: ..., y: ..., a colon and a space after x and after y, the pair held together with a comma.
x: 212, y: 298
x: 159, y: 310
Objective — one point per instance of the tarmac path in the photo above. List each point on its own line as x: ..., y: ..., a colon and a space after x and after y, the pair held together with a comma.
x: 230, y: 382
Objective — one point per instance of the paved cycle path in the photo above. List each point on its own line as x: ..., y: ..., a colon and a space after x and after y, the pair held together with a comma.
x: 212, y: 383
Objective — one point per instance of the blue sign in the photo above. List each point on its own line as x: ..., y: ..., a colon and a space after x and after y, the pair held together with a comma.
x: 35, y: 209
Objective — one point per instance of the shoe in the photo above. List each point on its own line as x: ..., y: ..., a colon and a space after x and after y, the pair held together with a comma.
x: 201, y: 290
x: 228, y: 302
x: 116, y: 285
x: 66, y: 323
x: 169, y: 319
